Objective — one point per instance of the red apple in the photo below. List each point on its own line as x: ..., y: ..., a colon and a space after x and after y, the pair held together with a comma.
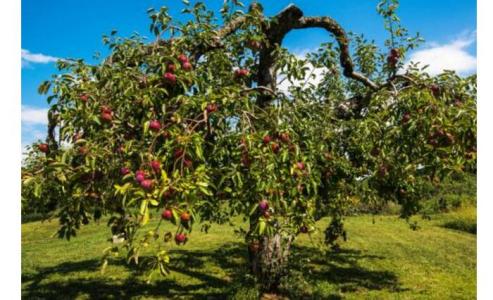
x: 106, y: 109
x: 300, y: 165
x: 84, y: 97
x: 211, y: 107
x: 183, y: 58
x: 43, y: 148
x: 275, y: 147
x: 185, y: 217
x: 284, y: 137
x: 187, y: 66
x: 267, y: 139
x: 139, y: 176
x: 167, y: 214
x: 106, y: 117
x: 154, y: 125
x: 156, y: 166
x: 146, y: 184
x: 170, y: 77
x: 171, y: 68
x: 240, y: 73
x: 124, y: 171
x: 180, y: 238
x: 263, y: 204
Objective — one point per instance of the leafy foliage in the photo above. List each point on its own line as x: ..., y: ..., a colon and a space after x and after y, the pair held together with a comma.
x: 177, y: 125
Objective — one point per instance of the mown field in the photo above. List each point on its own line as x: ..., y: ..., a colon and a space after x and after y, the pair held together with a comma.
x: 382, y: 259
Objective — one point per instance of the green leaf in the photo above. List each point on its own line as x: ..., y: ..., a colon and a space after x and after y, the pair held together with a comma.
x: 145, y: 218
x: 80, y: 141
x: 56, y: 165
x: 164, y: 176
x: 96, y: 119
x: 144, y: 211
x: 176, y: 217
x: 253, y: 209
x: 44, y: 87
x: 198, y: 151
x: 205, y: 191
x: 261, y: 227
x: 143, y: 206
x: 146, y: 128
x: 163, y: 269
x: 37, y: 190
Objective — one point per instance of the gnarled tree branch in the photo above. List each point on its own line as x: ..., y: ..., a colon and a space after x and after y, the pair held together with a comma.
x: 292, y: 18
x: 345, y: 58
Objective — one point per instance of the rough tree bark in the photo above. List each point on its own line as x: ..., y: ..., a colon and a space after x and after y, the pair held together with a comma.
x: 268, y: 261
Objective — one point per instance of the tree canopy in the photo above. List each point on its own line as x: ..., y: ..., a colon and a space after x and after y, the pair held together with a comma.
x: 193, y: 128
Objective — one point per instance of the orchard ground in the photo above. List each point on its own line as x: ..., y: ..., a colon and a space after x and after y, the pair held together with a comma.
x: 382, y: 259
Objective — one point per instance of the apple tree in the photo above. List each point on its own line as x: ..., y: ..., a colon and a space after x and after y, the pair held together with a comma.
x: 198, y: 126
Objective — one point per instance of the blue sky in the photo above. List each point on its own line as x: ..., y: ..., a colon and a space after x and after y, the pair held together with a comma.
x: 61, y: 29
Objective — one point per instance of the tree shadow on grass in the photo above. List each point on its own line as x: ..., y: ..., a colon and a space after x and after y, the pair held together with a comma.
x: 341, y: 269
x: 194, y: 264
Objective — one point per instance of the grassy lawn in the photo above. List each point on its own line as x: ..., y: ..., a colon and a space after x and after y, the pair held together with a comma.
x: 383, y: 259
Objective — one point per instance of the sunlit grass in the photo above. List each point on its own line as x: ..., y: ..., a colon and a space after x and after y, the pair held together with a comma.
x: 383, y: 259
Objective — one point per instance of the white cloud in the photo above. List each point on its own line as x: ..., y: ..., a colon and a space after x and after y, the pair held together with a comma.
x: 312, y: 75
x: 451, y: 56
x: 37, y: 58
x: 33, y: 125
x: 34, y: 115
x: 31, y: 133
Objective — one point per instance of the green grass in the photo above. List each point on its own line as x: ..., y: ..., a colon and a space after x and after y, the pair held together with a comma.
x: 383, y: 259
x: 463, y: 219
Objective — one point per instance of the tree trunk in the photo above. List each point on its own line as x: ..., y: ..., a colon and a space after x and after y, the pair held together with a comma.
x: 268, y: 261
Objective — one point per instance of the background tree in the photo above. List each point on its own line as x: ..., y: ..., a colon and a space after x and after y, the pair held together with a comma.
x: 192, y: 127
